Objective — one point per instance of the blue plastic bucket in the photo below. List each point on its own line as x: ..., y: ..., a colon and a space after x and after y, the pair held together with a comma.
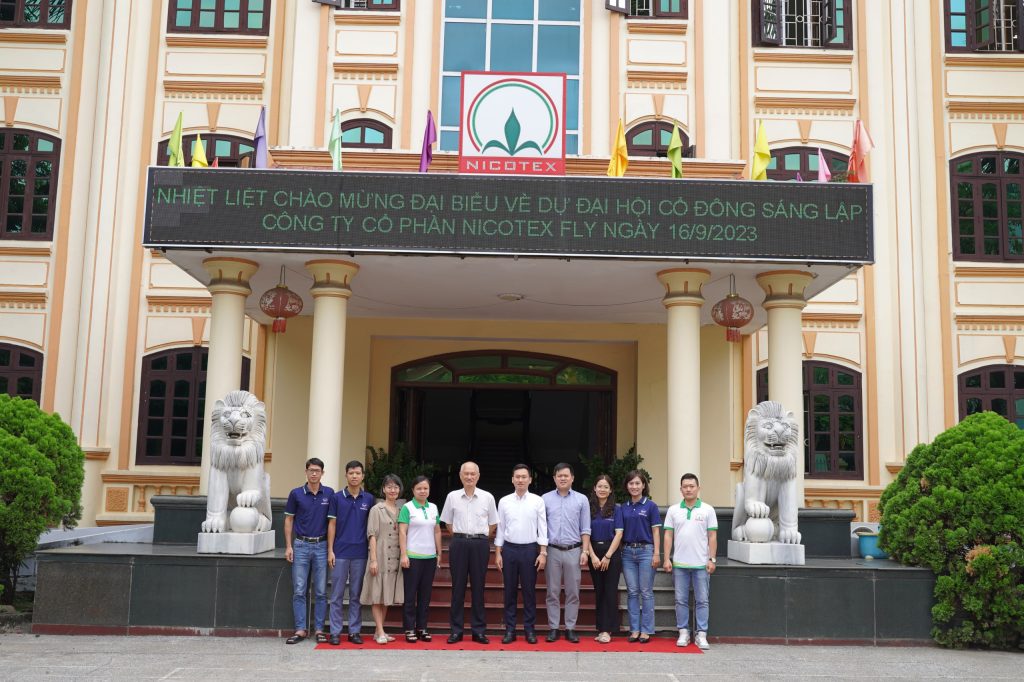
x: 868, y: 545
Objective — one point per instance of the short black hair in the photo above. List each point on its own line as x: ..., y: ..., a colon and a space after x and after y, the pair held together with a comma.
x: 693, y: 476
x: 564, y: 465
x: 391, y: 478
x: 419, y: 479
x: 521, y: 466
x: 354, y: 464
x: 316, y: 461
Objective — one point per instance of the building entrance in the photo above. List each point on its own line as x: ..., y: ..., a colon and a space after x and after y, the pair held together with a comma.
x: 499, y: 409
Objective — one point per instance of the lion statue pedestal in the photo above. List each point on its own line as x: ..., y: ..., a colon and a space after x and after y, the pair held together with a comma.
x: 238, y: 496
x: 764, y: 524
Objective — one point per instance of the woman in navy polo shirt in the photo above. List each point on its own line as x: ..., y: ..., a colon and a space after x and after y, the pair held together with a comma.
x: 605, y: 558
x: 641, y: 549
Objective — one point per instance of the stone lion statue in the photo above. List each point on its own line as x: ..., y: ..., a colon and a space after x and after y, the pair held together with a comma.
x: 238, y: 432
x: 769, y: 487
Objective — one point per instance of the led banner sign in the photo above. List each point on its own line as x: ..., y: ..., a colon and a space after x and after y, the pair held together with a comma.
x: 474, y: 214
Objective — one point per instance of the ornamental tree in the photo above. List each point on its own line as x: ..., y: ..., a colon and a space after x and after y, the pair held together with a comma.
x: 957, y: 507
x: 41, y: 473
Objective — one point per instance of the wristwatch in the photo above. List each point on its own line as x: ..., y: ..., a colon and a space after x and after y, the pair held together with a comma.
x: 713, y: 560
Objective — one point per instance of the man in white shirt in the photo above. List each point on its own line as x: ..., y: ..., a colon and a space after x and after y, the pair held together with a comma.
x: 520, y: 550
x: 471, y: 515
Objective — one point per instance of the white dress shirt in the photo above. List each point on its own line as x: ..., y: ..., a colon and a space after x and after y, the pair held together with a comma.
x: 521, y: 520
x: 470, y: 515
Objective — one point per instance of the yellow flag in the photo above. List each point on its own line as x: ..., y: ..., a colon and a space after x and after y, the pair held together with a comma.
x: 199, y: 154
x: 675, y: 152
x: 175, y: 154
x: 762, y: 155
x: 620, y: 158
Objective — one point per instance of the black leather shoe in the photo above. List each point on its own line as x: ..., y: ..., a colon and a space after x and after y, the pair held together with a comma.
x: 531, y: 637
x: 572, y: 636
x: 335, y: 640
x: 510, y: 636
x: 552, y: 636
x: 481, y: 639
x: 454, y: 638
x: 355, y: 638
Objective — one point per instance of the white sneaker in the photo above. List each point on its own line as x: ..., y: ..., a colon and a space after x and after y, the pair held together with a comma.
x: 684, y: 638
x: 701, y: 640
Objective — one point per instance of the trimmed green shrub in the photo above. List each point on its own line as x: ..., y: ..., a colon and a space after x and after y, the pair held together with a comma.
x: 41, y: 474
x: 617, y: 470
x: 380, y: 463
x: 957, y: 507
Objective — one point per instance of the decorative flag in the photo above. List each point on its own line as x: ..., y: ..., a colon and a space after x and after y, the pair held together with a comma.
x: 260, y: 141
x: 429, y: 138
x: 799, y: 178
x: 175, y: 154
x: 862, y: 144
x: 824, y: 174
x: 620, y: 157
x: 762, y: 155
x: 675, y: 152
x: 216, y: 162
x: 334, y: 144
x: 199, y: 154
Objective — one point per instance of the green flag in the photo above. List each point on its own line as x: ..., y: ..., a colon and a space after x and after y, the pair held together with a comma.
x: 175, y: 154
x: 334, y: 145
x: 675, y: 152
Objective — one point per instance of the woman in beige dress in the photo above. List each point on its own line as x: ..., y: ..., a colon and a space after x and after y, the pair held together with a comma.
x: 382, y: 584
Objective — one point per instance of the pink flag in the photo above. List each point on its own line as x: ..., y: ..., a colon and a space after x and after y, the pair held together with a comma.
x: 429, y: 138
x: 799, y: 178
x: 824, y: 174
x: 216, y: 162
x: 859, y: 149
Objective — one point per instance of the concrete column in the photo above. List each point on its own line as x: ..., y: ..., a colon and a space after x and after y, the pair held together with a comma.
x: 784, y: 300
x: 331, y: 289
x: 229, y: 287
x: 683, y: 300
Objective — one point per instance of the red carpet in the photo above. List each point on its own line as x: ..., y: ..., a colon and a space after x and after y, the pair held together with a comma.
x: 662, y: 645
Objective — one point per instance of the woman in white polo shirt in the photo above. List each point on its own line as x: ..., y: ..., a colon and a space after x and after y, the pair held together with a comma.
x: 419, y: 537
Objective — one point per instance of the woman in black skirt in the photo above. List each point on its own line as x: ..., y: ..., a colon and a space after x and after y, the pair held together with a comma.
x: 605, y: 562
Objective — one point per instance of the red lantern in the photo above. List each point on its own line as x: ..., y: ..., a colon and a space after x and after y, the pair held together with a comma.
x: 732, y: 312
x: 280, y: 303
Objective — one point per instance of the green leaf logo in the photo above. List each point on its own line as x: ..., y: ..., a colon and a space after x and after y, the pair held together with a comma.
x: 511, y: 145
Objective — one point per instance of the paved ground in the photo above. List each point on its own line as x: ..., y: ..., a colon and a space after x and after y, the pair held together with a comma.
x: 32, y: 657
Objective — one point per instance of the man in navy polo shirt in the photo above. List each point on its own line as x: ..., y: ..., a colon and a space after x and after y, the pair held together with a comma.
x: 347, y: 550
x: 305, y: 539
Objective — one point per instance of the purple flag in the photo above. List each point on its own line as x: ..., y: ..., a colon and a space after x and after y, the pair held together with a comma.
x: 260, y: 140
x: 799, y: 178
x: 429, y: 138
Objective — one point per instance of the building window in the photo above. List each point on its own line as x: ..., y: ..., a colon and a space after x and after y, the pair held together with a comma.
x: 387, y: 5
x: 803, y: 23
x: 364, y: 133
x: 987, y: 207
x: 251, y: 17
x: 833, y: 432
x: 652, y: 139
x: 786, y: 163
x: 995, y: 388
x: 668, y: 9
x: 21, y: 371
x: 510, y: 35
x: 48, y: 14
x: 227, y: 149
x: 984, y: 25
x: 171, y: 403
x: 28, y: 183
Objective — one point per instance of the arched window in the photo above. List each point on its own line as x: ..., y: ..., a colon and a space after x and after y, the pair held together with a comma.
x: 28, y: 183
x: 833, y: 419
x: 502, y: 367
x: 652, y: 139
x: 994, y: 388
x: 46, y: 14
x: 172, y: 398
x: 229, y: 150
x: 787, y: 162
x: 21, y: 371
x: 246, y: 17
x: 365, y: 133
x: 987, y: 206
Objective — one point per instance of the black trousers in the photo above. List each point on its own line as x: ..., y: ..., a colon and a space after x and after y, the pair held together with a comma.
x: 469, y: 557
x: 418, y: 581
x: 606, y: 588
x: 520, y: 572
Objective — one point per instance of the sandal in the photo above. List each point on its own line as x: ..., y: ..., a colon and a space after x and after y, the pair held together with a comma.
x: 295, y: 639
x: 381, y: 639
x: 423, y: 635
x: 410, y: 636
x: 321, y: 637
x: 390, y: 638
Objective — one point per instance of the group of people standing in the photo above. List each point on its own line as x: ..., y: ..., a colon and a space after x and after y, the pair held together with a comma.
x: 388, y: 554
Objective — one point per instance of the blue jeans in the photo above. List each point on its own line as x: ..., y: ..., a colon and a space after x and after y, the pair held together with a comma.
x: 701, y: 582
x: 636, y: 567
x: 351, y: 570
x: 309, y: 556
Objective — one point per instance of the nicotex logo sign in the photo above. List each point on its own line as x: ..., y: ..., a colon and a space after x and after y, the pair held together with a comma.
x: 512, y: 123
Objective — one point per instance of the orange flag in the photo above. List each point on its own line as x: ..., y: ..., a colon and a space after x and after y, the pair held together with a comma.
x: 859, y: 149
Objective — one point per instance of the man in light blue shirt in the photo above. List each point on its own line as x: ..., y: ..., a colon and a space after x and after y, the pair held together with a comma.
x: 568, y: 515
